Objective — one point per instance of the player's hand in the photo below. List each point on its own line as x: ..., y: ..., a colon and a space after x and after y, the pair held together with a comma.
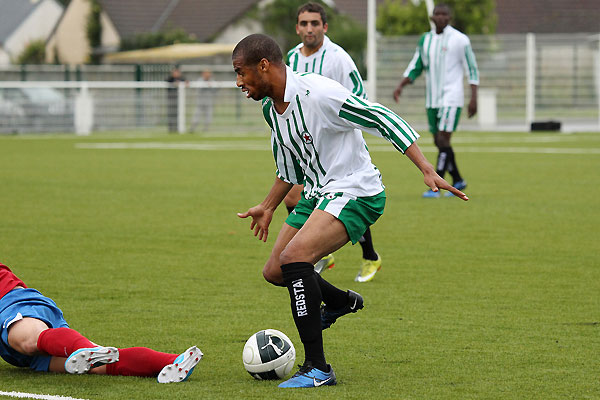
x: 436, y: 182
x: 261, y: 219
x: 472, y: 107
x: 397, y: 93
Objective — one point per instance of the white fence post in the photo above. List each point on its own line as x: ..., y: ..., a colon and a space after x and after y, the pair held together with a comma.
x: 181, y: 107
x: 84, y: 111
x: 487, y: 109
x: 371, y: 51
x: 530, y: 81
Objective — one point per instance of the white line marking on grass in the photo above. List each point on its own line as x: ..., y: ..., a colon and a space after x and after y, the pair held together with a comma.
x: 245, y: 146
x: 36, y: 396
x: 528, y: 150
x: 175, y: 146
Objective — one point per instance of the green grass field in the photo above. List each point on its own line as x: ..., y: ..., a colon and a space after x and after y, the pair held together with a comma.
x: 140, y: 245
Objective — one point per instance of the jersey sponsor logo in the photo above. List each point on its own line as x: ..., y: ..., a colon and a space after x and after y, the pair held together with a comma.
x: 308, y: 139
x: 307, y: 92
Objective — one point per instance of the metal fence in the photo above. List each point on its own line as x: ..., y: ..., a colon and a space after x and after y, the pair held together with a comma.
x: 94, y: 73
x: 87, y: 106
x: 524, y: 78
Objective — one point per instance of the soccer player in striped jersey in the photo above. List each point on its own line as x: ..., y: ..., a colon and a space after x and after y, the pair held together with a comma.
x: 444, y: 53
x: 317, y: 141
x: 318, y: 54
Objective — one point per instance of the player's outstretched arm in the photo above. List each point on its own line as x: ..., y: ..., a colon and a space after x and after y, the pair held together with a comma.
x: 431, y: 178
x: 472, y: 110
x: 262, y: 214
x: 401, y: 85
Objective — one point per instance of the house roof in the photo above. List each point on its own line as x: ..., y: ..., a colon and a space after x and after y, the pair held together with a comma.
x: 202, y: 19
x: 548, y: 16
x: 13, y: 13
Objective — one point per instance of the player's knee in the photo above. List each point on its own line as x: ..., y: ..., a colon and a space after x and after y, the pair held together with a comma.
x: 295, y: 254
x: 23, y: 335
x: 26, y: 345
x: 273, y: 275
x: 442, y: 139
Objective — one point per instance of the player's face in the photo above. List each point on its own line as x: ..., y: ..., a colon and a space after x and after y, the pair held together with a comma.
x: 441, y: 18
x: 311, y: 29
x: 250, y: 79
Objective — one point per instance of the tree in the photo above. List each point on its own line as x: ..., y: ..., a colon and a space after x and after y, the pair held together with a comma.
x: 279, y: 21
x: 94, y: 31
x: 406, y: 18
x: 33, y: 53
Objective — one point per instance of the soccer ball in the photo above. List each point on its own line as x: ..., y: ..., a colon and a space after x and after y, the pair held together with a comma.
x: 269, y: 354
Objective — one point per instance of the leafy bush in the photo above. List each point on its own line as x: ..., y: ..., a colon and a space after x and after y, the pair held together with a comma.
x: 406, y: 18
x: 33, y: 53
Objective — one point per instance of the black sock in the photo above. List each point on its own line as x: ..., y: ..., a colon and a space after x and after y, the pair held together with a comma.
x: 290, y: 209
x: 332, y: 296
x: 452, y: 168
x: 442, y: 162
x: 366, y: 242
x: 305, y: 296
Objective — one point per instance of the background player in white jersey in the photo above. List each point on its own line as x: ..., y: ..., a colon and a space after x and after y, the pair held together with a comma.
x: 318, y: 54
x: 444, y: 54
x: 316, y: 139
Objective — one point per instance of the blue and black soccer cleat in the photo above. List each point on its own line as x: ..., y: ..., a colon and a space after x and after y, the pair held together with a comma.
x: 309, y: 376
x: 329, y: 316
x: 430, y: 194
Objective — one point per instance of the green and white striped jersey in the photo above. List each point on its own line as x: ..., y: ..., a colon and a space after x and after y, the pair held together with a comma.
x: 444, y: 57
x: 332, y: 61
x: 317, y: 140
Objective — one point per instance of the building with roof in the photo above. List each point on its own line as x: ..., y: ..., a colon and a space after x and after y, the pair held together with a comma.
x: 68, y: 43
x: 227, y: 21
x: 23, y: 21
x: 206, y: 21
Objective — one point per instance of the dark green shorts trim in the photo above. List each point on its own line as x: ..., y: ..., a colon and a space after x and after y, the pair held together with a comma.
x: 356, y: 213
x: 443, y: 119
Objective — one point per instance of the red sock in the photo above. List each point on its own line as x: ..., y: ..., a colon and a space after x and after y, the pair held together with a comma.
x: 140, y: 361
x: 61, y: 342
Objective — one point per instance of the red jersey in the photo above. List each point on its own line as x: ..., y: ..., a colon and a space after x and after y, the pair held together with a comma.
x: 8, y: 280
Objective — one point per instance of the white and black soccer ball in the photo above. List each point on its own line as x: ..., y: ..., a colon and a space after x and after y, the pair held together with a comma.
x: 269, y: 354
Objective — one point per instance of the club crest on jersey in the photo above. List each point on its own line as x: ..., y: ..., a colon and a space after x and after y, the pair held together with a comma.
x: 307, y: 137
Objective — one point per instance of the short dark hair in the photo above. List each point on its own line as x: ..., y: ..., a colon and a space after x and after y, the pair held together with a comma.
x: 313, y: 7
x: 444, y: 5
x: 255, y: 47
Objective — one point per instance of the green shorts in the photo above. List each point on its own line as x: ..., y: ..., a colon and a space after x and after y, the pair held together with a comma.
x: 443, y: 119
x: 356, y: 213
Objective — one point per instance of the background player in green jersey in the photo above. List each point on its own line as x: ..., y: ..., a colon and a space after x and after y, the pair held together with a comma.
x: 444, y: 54
x: 317, y: 53
x: 316, y: 139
